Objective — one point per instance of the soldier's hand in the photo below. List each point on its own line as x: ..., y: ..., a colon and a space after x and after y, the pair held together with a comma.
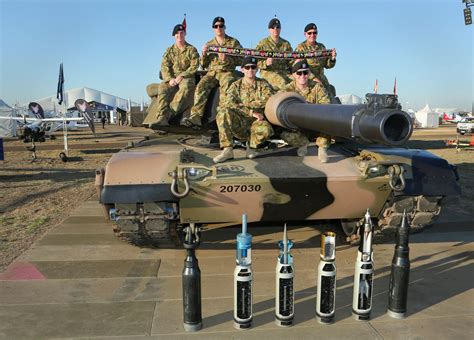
x: 204, y: 49
x: 178, y: 79
x: 257, y: 116
x: 333, y: 54
x: 269, y: 61
x: 173, y: 82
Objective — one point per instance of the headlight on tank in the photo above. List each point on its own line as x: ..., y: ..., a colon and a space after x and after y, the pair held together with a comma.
x: 376, y: 170
x: 197, y: 174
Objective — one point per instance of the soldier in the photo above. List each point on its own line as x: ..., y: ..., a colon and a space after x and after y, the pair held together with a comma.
x: 241, y: 114
x: 275, y: 71
x: 318, y: 65
x: 315, y: 93
x: 220, y: 72
x: 178, y: 68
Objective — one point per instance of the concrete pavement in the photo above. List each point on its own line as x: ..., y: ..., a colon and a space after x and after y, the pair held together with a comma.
x: 81, y: 281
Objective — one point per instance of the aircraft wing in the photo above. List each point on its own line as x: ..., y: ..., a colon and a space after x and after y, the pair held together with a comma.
x: 35, y: 120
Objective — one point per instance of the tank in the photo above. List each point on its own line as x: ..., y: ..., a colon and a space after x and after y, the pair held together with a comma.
x: 152, y: 189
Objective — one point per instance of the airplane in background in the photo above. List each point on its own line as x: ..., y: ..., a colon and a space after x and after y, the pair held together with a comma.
x: 35, y: 129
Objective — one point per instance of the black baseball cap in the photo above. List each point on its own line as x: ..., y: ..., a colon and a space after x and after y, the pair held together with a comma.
x: 310, y: 26
x: 274, y: 22
x: 218, y: 19
x: 300, y: 65
x: 178, y: 28
x: 249, y: 60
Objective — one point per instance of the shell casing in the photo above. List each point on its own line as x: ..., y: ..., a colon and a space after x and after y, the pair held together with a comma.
x: 326, y: 292
x: 191, y: 282
x: 243, y: 313
x: 285, y: 295
x: 363, y: 288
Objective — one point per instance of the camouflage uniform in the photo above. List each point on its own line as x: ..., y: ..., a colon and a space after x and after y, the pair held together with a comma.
x: 219, y: 73
x: 318, y: 65
x: 314, y: 94
x: 234, y: 117
x: 167, y: 101
x: 277, y: 73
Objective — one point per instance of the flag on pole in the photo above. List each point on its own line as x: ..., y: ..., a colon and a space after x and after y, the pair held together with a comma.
x: 376, y: 86
x: 60, y: 93
x: 184, y: 22
x: 395, y: 87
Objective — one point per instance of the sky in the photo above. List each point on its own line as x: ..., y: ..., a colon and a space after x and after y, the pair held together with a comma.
x: 116, y: 46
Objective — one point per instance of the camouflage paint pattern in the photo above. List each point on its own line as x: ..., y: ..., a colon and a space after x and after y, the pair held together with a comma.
x: 277, y: 74
x: 234, y: 117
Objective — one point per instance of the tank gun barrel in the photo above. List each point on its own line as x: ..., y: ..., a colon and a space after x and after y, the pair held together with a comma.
x: 381, y: 120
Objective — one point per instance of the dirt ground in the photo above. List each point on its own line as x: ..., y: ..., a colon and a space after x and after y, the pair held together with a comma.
x: 36, y: 196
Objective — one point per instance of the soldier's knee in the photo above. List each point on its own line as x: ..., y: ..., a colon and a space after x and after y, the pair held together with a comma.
x: 152, y: 89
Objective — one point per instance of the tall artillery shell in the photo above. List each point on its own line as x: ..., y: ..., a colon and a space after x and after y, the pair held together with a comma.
x: 326, y: 283
x: 400, y: 273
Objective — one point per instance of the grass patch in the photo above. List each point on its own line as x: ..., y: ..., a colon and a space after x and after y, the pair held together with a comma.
x: 34, y: 225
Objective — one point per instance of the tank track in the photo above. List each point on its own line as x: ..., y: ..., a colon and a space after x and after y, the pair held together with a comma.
x: 148, y: 225
x: 421, y: 210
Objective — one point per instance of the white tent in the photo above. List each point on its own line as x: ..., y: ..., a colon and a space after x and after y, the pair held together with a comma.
x: 427, y: 118
x: 350, y: 99
x: 7, y: 126
x: 86, y: 93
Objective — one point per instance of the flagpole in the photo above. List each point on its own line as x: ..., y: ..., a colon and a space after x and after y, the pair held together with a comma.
x: 66, y: 148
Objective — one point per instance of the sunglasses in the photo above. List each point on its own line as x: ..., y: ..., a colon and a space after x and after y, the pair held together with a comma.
x: 275, y: 27
x: 302, y: 73
x: 250, y: 67
x: 219, y: 26
x: 312, y: 33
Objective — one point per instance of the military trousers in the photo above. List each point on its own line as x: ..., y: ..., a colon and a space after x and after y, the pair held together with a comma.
x: 278, y: 80
x: 173, y: 100
x: 239, y: 124
x: 297, y: 138
x: 203, y: 89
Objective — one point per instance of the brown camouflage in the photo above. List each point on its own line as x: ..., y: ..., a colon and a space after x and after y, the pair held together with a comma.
x: 318, y: 65
x: 219, y: 73
x: 166, y: 100
x: 277, y: 74
x: 315, y: 94
x: 234, y: 117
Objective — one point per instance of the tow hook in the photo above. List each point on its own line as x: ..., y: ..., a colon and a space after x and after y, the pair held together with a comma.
x: 174, y: 183
x: 397, y: 180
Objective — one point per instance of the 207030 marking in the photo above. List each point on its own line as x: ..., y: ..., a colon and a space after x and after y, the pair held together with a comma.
x: 240, y: 188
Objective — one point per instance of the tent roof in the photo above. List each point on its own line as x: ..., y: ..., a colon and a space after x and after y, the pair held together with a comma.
x: 86, y: 93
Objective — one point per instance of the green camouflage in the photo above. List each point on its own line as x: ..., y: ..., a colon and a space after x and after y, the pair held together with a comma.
x: 277, y: 74
x: 219, y: 73
x: 166, y: 100
x: 315, y: 94
x: 178, y: 62
x: 318, y: 65
x: 234, y: 118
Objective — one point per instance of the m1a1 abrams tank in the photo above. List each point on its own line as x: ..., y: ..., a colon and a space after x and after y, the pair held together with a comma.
x: 158, y: 186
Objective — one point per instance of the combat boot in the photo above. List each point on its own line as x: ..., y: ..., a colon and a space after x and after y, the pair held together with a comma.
x: 323, y: 154
x: 302, y: 151
x: 226, y: 154
x: 192, y: 122
x: 162, y: 121
x: 251, y: 153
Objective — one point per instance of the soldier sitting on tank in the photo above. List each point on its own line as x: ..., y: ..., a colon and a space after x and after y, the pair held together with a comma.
x: 241, y: 113
x: 317, y: 65
x: 275, y: 71
x: 178, y: 68
x: 315, y: 93
x: 220, y: 72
